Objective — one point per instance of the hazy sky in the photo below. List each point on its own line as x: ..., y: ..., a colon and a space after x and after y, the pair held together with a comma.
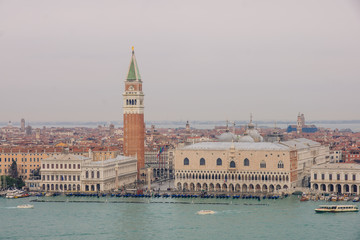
x: 199, y: 60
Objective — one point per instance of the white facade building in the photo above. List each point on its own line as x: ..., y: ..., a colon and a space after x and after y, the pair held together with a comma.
x: 108, y: 175
x: 309, y: 153
x: 69, y: 173
x: 336, y: 156
x: 336, y: 178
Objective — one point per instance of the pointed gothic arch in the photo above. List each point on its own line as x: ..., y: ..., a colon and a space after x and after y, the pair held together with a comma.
x: 246, y: 162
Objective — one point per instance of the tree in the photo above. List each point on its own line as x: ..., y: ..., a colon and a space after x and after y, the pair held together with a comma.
x: 13, y: 171
x: 9, y: 182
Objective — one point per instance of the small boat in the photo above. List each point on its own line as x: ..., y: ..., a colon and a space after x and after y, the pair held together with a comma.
x: 16, y: 194
x: 334, y: 199
x: 25, y: 206
x: 356, y: 199
x: 337, y: 208
x: 304, y: 198
x: 205, y: 212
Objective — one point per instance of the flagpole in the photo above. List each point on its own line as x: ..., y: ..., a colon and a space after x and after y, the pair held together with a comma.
x: 159, y: 163
x: 159, y: 155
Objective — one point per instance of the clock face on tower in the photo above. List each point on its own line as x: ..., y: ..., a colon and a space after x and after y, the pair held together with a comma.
x: 131, y: 88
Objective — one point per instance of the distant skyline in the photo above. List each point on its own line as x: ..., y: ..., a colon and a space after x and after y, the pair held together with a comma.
x: 199, y: 60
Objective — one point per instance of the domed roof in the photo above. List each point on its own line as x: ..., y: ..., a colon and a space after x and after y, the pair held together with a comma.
x: 255, y: 135
x: 227, y: 137
x: 251, y: 125
x: 246, y: 138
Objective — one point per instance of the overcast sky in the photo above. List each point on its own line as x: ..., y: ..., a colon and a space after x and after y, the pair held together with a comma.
x: 199, y: 60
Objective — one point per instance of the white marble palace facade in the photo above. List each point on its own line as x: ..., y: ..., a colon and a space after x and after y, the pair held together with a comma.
x: 75, y: 173
x: 336, y: 178
x: 246, y: 166
x: 110, y: 174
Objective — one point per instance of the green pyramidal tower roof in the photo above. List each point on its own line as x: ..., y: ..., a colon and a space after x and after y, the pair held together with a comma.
x: 133, y: 74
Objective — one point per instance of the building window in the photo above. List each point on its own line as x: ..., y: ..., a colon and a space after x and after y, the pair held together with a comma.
x: 322, y: 176
x: 218, y: 162
x: 92, y: 174
x: 338, y: 176
x: 354, y: 177
x: 280, y: 164
x: 246, y: 162
x: 186, y: 161
x: 98, y: 174
x: 202, y: 161
x: 263, y: 164
x: 232, y: 164
x: 330, y: 176
x: 87, y: 174
x: 61, y: 166
x: 44, y: 166
x: 315, y: 176
x: 69, y: 166
x: 346, y: 177
x: 78, y: 166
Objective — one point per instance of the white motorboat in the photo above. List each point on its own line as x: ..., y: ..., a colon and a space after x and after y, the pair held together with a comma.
x: 25, y: 206
x: 205, y: 212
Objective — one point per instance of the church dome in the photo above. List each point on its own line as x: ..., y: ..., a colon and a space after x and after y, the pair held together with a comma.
x: 255, y: 135
x: 246, y: 138
x: 252, y: 132
x: 227, y: 137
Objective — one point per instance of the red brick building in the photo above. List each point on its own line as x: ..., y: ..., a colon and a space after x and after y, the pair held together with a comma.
x: 134, y: 126
x: 352, y: 155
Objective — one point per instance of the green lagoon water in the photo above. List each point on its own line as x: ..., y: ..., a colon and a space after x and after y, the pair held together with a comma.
x: 114, y: 218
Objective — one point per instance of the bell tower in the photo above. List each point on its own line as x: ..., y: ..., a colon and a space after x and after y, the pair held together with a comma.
x: 133, y: 106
